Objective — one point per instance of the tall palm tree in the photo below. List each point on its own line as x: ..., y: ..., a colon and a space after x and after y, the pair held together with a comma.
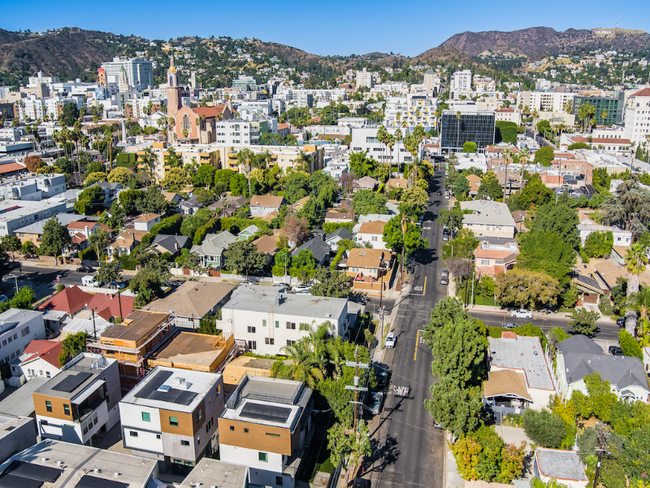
x: 507, y: 160
x: 640, y: 303
x: 635, y: 264
x: 457, y: 128
x: 382, y: 137
x: 523, y: 159
x: 391, y: 144
x: 398, y: 138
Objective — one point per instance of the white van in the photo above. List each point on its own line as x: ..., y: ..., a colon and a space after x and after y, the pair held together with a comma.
x: 89, y: 281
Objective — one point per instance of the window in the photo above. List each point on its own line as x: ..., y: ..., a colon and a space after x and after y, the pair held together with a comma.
x: 25, y: 331
x: 304, y: 326
x: 48, y: 406
x: 4, y: 343
x: 263, y: 322
x: 232, y: 428
x: 146, y: 417
x: 44, y: 422
x: 173, y: 421
x: 245, y: 431
x: 269, y: 341
x: 199, y: 415
x: 10, y: 340
x: 485, y: 262
x: 66, y: 409
x: 291, y: 325
x: 272, y: 435
x: 158, y: 436
x: 185, y: 443
x: 290, y: 343
x: 15, y: 336
x: 252, y: 345
x: 47, y: 373
x: 251, y: 330
x: 278, y: 480
x: 262, y: 456
x: 133, y: 434
x: 277, y: 324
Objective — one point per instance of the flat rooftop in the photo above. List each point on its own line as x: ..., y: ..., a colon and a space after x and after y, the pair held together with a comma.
x: 565, y: 465
x: 192, y: 299
x: 79, y: 466
x: 21, y: 401
x: 486, y: 212
x: 190, y: 349
x: 210, y: 472
x: 8, y: 424
x: 137, y: 325
x: 263, y: 299
x: 524, y: 354
x: 77, y: 376
x: 165, y: 388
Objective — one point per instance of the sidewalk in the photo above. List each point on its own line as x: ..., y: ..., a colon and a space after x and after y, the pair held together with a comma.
x: 378, y: 355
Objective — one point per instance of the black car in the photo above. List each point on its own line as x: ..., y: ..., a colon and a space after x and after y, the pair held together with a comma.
x: 439, y: 192
x: 620, y: 322
x: 85, y: 269
x: 615, y: 351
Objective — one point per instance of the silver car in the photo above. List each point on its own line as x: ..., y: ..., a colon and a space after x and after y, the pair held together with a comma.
x: 376, y: 401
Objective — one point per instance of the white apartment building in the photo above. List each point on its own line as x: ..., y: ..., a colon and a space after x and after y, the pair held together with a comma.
x: 39, y: 79
x: 240, y: 132
x: 79, y: 401
x: 364, y: 78
x: 269, y: 321
x: 483, y: 84
x: 266, y: 426
x: 410, y: 111
x: 543, y: 101
x: 15, y: 214
x: 262, y: 108
x: 392, y: 88
x: 33, y: 108
x: 139, y: 72
x: 507, y: 114
x: 366, y: 140
x: 33, y: 188
x: 637, y: 116
x: 431, y: 80
x: 319, y: 95
x: 17, y: 329
x: 352, y: 122
x: 172, y: 415
x: 461, y: 83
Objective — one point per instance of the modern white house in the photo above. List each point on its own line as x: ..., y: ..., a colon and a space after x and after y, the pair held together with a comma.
x: 17, y: 329
x: 269, y: 320
x: 172, y: 416
x: 80, y: 401
x: 262, y: 205
x: 267, y: 426
x: 371, y: 233
x: 146, y: 221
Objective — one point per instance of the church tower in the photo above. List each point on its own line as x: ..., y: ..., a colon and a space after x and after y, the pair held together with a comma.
x: 173, y: 96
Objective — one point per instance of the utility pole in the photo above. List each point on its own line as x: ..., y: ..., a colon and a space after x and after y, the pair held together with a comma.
x: 600, y: 456
x: 94, y: 328
x: 472, y: 288
x: 356, y: 388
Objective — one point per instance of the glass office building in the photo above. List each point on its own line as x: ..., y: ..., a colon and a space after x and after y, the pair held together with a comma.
x: 475, y: 127
x: 613, y: 107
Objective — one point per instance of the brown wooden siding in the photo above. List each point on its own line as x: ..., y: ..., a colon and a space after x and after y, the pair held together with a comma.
x: 57, y: 407
x: 256, y: 438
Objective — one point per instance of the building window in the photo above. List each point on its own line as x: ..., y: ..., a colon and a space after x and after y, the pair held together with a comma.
x: 232, y: 428
x: 185, y: 443
x: 251, y: 330
x: 278, y: 480
x: 133, y: 434
x: 25, y: 331
x: 485, y: 262
x: 245, y: 431
x: 173, y: 421
x: 262, y: 456
x: 47, y: 373
x: 158, y: 436
x: 66, y: 409
x: 146, y: 417
x: 199, y: 415
x: 252, y: 345
x: 290, y: 342
x: 269, y: 341
x: 272, y: 435
x: 277, y: 324
x: 291, y: 325
x: 48, y: 406
x: 44, y: 422
x: 263, y: 322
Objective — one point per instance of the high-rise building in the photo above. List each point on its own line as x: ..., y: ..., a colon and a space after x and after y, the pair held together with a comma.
x: 637, y: 116
x: 364, y: 78
x: 461, y: 83
x: 457, y: 128
x: 611, y: 106
x: 139, y: 72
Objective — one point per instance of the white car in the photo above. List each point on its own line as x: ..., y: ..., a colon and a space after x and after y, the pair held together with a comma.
x: 302, y: 290
x: 522, y: 314
x: 390, y: 340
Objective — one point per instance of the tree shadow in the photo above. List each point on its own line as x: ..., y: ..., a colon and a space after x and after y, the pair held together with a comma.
x: 382, y: 454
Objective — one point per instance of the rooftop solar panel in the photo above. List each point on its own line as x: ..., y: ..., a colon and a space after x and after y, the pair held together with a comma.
x: 70, y: 383
x: 88, y: 481
x: 153, y: 384
x: 33, y: 471
x: 269, y: 413
x: 151, y: 391
x: 11, y: 481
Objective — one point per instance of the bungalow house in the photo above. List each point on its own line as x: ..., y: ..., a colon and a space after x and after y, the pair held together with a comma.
x: 86, y: 229
x: 190, y: 206
x: 340, y: 215
x: 474, y: 184
x: 248, y: 232
x: 211, y: 251
x: 267, y: 245
x: 367, y: 263
x: 172, y: 198
x: 402, y: 183
x: 228, y: 205
x: 146, y: 221
x: 163, y: 243
x: 262, y: 205
x: 579, y: 356
x: 337, y: 236
x: 365, y: 183
x: 300, y: 203
x: 494, y: 255
x: 70, y: 300
x: 319, y: 249
x: 371, y: 233
x: 126, y: 242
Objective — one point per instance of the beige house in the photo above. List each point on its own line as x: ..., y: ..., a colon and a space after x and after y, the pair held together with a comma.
x: 488, y: 219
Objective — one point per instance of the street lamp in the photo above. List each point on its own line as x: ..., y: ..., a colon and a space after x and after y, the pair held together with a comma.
x: 15, y: 280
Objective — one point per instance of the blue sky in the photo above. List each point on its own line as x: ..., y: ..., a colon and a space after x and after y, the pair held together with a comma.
x: 332, y: 27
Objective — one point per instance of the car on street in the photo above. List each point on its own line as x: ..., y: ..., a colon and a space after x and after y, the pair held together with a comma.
x: 620, y: 321
x: 439, y: 192
x: 89, y: 281
x: 3, y: 298
x: 522, y: 313
x: 584, y: 190
x: 361, y: 483
x: 383, y: 378
x: 85, y: 269
x: 509, y: 325
x: 420, y: 220
x: 116, y: 285
x: 376, y: 402
x: 444, y: 280
x: 615, y: 351
x: 445, y: 235
x: 391, y: 338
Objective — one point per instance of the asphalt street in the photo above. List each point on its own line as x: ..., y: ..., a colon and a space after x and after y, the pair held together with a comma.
x: 43, y: 280
x: 410, y: 450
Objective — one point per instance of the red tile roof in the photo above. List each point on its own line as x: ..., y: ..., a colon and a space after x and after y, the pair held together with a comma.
x: 108, y: 306
x: 48, y: 350
x: 209, y: 111
x: 11, y: 167
x: 81, y: 225
x: 70, y: 300
x: 643, y: 93
x: 602, y: 140
x: 78, y: 238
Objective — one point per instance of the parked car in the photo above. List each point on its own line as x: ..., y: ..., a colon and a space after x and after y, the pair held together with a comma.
x: 445, y: 235
x: 89, y: 281
x: 391, y: 338
x: 444, y: 272
x: 620, y: 321
x: 439, y: 192
x: 444, y: 280
x: 301, y: 289
x: 420, y: 220
x: 116, y: 285
x: 522, y: 313
x: 383, y: 378
x: 85, y: 269
x: 361, y: 483
x: 509, y: 325
x: 584, y: 190
x: 376, y: 402
x: 615, y: 351
x: 3, y: 298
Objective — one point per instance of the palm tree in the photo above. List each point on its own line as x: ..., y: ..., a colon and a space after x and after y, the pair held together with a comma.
x: 304, y: 364
x: 149, y: 159
x: 382, y: 137
x: 603, y: 115
x: 640, y: 303
x: 507, y: 160
x: 398, y: 138
x: 635, y: 264
x: 457, y: 128
x: 391, y: 144
x: 523, y: 159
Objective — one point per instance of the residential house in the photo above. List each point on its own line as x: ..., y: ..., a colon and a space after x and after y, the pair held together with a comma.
x: 488, y: 219
x: 622, y: 238
x: 319, y: 249
x: 61, y: 464
x: 267, y: 245
x: 81, y: 231
x: 80, y: 401
x: 337, y: 236
x: 172, y: 198
x: 190, y: 206
x: 194, y: 352
x: 131, y: 342
x: 365, y: 183
x: 172, y: 416
x: 110, y: 191
x: 210, y: 472
x: 145, y: 222
x: 262, y: 205
x: 248, y: 232
x: 211, y: 251
x: 401, y: 183
x: 34, y: 232
x: 579, y: 356
x: 474, y: 184
x: 40, y: 359
x: 525, y: 357
x: 267, y: 426
x: 163, y: 243
x: 371, y: 233
x: 228, y: 205
x: 87, y: 322
x: 341, y: 214
x: 268, y: 320
x: 495, y: 255
x: 69, y: 300
x: 563, y: 467
x: 300, y: 203
x: 110, y: 307
x: 126, y: 242
x: 192, y: 301
x: 17, y: 329
x: 16, y: 434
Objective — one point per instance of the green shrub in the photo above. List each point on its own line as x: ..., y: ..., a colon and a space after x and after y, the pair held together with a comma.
x: 495, y: 332
x: 128, y: 262
x: 544, y: 428
x: 629, y: 344
x: 88, y: 254
x: 605, y: 306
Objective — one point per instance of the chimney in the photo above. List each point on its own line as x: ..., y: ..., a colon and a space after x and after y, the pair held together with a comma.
x: 87, y: 231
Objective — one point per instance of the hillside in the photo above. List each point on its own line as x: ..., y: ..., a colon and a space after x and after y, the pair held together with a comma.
x: 67, y: 51
x: 444, y: 53
x: 288, y: 53
x: 536, y: 42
